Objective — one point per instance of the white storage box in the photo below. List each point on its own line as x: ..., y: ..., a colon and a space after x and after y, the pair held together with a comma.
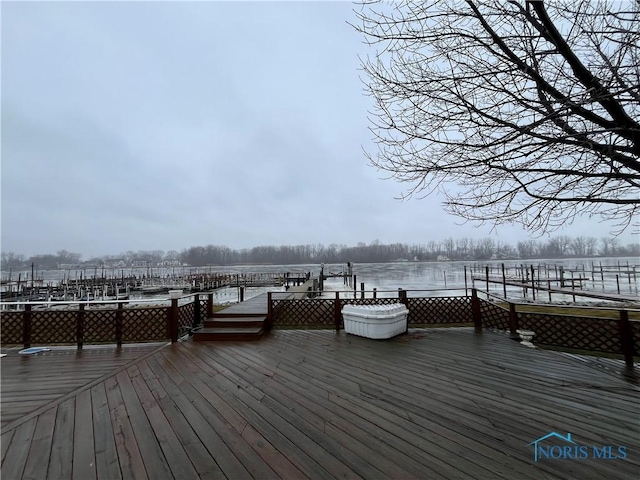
x: 375, y: 321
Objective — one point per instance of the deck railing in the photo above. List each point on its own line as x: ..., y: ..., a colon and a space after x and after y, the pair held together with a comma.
x: 81, y: 324
x: 614, y: 332
x: 617, y: 333
x: 448, y: 308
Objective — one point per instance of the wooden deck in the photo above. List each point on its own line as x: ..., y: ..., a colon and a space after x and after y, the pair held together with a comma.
x: 441, y: 403
x: 32, y: 381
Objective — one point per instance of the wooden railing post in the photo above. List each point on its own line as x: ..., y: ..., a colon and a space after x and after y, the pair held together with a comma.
x: 626, y: 338
x: 196, y: 311
x: 173, y: 320
x: 513, y: 319
x: 119, y: 323
x: 80, y: 326
x: 405, y: 301
x: 337, y: 314
x: 26, y: 326
x: 475, y: 311
x: 269, y: 321
x: 210, y: 305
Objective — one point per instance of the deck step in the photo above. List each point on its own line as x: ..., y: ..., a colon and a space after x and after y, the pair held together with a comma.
x: 235, y: 322
x: 223, y: 314
x: 209, y: 334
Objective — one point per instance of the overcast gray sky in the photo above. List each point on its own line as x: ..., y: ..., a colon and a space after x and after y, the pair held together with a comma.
x: 152, y: 125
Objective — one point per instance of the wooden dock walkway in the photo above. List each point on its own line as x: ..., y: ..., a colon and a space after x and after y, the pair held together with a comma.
x: 542, y: 290
x: 241, y: 321
x: 438, y: 404
x: 256, y: 305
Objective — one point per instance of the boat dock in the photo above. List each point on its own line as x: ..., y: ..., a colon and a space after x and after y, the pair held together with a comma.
x: 106, y: 288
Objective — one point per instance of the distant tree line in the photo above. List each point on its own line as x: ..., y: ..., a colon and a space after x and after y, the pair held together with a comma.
x: 449, y: 249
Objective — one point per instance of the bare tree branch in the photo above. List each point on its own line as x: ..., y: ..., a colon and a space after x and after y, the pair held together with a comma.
x: 518, y: 111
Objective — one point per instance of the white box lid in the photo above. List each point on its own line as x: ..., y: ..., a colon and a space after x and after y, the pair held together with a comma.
x: 375, y: 310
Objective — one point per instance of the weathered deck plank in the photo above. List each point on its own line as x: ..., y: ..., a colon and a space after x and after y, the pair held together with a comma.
x: 150, y: 449
x: 61, y: 460
x: 442, y: 403
x: 84, y: 456
x: 40, y: 448
x: 34, y: 381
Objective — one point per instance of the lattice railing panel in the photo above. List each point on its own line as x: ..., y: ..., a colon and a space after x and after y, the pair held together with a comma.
x: 53, y: 326
x: 597, y: 334
x: 99, y: 326
x: 493, y: 316
x: 422, y: 311
x: 368, y: 301
x: 303, y: 313
x: 142, y: 324
x: 439, y: 310
x: 204, y: 304
x: 11, y: 328
x: 186, y: 313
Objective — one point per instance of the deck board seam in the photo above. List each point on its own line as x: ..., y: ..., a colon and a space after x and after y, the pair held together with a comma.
x: 16, y: 423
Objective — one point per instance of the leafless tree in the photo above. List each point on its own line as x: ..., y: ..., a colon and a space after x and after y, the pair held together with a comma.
x: 519, y: 111
x: 579, y: 246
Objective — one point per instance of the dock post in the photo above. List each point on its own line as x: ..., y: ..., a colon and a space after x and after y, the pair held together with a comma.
x: 486, y: 274
x: 362, y: 290
x: 466, y: 290
x: 533, y: 283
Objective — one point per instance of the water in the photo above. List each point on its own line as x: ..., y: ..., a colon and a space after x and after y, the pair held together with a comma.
x: 391, y: 276
x: 441, y: 275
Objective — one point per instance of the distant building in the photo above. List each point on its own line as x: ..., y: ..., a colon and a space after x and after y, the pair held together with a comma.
x: 170, y: 263
x: 68, y: 266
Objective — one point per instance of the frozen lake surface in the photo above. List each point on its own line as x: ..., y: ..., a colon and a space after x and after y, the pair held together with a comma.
x: 388, y: 277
